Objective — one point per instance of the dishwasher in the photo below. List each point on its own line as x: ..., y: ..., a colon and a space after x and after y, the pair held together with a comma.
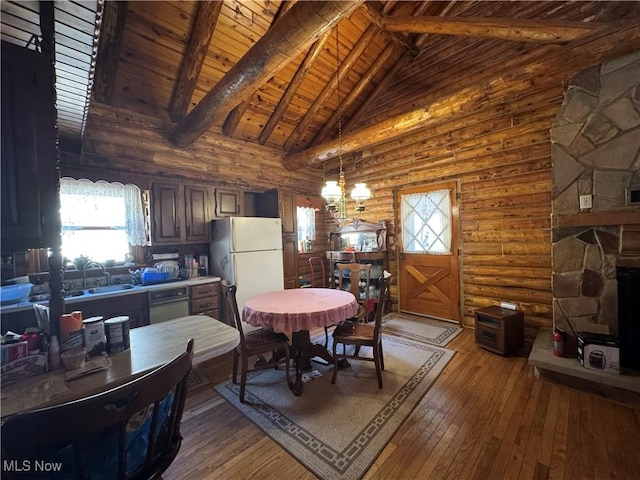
x: 168, y: 303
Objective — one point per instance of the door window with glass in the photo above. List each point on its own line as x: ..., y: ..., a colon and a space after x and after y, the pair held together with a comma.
x: 100, y: 220
x: 426, y: 222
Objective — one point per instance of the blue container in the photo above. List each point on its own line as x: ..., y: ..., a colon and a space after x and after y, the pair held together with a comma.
x: 154, y: 277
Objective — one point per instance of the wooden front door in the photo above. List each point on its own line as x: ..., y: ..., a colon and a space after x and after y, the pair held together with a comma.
x: 428, y: 255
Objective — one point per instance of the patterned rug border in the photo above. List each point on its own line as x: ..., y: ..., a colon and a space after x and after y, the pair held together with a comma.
x: 354, y: 461
x: 450, y: 332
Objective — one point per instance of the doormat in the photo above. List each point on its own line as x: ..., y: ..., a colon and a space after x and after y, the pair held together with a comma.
x: 337, y: 431
x: 420, y: 329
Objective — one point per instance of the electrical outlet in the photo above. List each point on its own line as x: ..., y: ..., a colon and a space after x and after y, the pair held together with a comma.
x: 509, y: 306
x: 585, y: 201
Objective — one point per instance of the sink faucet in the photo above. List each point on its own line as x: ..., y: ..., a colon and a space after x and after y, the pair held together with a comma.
x: 94, y: 264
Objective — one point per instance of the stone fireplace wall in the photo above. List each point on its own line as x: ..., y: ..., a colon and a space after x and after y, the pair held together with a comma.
x: 596, y: 152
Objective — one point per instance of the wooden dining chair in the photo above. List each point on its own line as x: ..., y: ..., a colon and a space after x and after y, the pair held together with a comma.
x: 359, y: 335
x: 255, y: 343
x: 130, y: 432
x: 350, y: 278
x: 318, y: 275
x: 356, y: 278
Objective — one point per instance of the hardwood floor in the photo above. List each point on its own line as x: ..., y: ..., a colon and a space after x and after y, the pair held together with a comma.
x: 486, y: 417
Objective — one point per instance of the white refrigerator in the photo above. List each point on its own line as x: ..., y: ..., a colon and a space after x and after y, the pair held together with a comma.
x: 247, y: 251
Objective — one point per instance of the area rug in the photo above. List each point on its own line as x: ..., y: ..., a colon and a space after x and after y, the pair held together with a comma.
x: 337, y: 431
x: 420, y: 329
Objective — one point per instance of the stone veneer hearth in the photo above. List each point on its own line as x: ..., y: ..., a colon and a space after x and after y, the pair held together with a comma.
x: 596, y: 151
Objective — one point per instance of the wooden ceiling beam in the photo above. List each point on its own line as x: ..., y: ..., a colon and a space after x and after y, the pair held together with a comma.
x: 391, y: 73
x: 593, y: 49
x: 233, y: 119
x: 292, y: 88
x: 111, y: 32
x: 376, y: 18
x: 194, y: 57
x: 330, y: 88
x: 353, y: 95
x: 507, y: 29
x: 303, y: 24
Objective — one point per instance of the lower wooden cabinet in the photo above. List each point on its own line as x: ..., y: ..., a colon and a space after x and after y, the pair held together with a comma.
x: 204, y: 299
x: 136, y: 307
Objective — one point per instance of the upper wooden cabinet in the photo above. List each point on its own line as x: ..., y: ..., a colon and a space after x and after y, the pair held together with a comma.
x: 229, y: 202
x: 197, y: 213
x: 180, y: 213
x: 30, y: 211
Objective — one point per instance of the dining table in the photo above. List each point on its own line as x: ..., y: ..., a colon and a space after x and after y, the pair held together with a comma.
x: 150, y: 347
x: 297, y: 311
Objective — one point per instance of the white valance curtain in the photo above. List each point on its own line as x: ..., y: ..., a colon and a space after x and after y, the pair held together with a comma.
x: 134, y: 224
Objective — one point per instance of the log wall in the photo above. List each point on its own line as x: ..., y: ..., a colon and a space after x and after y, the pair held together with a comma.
x: 494, y: 140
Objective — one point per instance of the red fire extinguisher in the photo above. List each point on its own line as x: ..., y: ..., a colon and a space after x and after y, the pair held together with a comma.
x: 559, y: 341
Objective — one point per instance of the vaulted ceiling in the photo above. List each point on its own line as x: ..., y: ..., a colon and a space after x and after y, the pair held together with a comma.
x: 275, y: 72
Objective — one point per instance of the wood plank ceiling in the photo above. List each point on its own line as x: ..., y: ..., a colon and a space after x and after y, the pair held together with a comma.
x: 275, y: 72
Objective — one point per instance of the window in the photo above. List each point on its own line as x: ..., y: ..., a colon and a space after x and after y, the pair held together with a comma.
x: 426, y: 222
x: 100, y: 220
x: 306, y: 225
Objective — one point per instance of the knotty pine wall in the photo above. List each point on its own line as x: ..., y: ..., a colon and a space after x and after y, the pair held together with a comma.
x: 491, y: 134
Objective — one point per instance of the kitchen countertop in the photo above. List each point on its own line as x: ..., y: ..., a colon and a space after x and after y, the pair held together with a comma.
x: 26, y: 305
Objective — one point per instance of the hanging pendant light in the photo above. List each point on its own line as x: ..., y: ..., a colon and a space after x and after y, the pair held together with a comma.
x: 334, y: 193
x: 360, y: 194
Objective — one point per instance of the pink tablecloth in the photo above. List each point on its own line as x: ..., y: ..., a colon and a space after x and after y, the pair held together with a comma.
x: 299, y: 309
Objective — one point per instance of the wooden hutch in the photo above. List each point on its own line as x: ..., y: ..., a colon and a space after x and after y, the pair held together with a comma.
x: 359, y: 242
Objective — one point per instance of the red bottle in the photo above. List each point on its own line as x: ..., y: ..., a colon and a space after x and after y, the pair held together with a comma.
x: 559, y: 340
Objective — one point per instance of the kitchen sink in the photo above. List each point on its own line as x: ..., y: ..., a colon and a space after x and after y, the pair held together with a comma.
x: 111, y: 288
x: 73, y: 293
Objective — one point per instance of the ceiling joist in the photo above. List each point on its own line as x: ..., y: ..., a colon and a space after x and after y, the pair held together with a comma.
x: 331, y: 87
x: 292, y: 88
x: 505, y: 29
x: 197, y: 49
x: 406, y: 123
x: 298, y: 28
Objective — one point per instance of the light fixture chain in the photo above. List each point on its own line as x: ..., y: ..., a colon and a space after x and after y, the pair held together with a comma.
x: 339, y: 100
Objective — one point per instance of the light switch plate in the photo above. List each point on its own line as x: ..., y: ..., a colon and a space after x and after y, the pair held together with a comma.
x: 585, y: 201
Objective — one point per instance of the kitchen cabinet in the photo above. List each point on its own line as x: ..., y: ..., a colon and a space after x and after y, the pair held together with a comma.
x: 229, y: 202
x: 135, y: 306
x: 288, y: 214
x: 205, y: 299
x: 198, y: 219
x: 180, y: 213
x: 30, y: 217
